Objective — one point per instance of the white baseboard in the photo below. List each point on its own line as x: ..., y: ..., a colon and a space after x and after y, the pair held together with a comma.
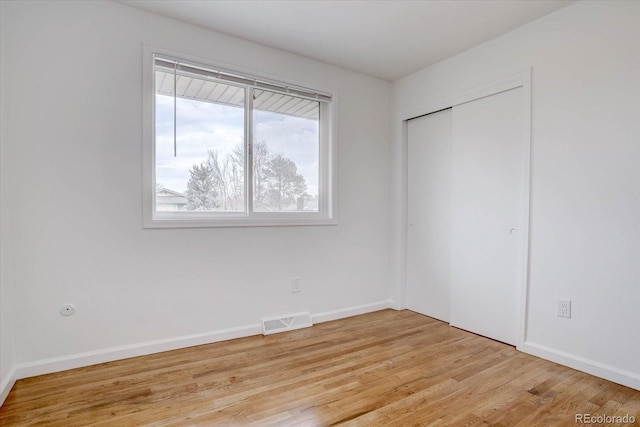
x: 620, y: 376
x: 6, y: 384
x: 396, y: 306
x: 47, y: 366
x: 78, y: 360
x: 351, y: 311
x: 627, y: 378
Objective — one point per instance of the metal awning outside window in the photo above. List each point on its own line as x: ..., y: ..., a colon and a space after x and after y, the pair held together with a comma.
x: 214, y: 87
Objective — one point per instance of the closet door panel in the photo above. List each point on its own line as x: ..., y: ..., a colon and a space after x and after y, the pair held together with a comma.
x: 487, y: 178
x: 429, y: 214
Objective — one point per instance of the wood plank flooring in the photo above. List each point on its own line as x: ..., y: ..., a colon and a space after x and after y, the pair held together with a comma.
x: 394, y: 368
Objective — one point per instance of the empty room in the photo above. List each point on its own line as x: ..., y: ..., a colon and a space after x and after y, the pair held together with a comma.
x: 319, y: 213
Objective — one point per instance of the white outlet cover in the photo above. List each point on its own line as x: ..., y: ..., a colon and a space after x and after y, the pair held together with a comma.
x: 67, y: 309
x: 564, y: 308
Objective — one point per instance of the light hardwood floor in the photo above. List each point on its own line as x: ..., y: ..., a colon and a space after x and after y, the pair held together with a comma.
x: 383, y: 368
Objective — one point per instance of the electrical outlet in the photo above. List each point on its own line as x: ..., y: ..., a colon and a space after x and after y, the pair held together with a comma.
x: 564, y: 308
x: 295, y: 285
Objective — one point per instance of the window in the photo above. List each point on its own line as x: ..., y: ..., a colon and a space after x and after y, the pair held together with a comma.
x: 229, y: 148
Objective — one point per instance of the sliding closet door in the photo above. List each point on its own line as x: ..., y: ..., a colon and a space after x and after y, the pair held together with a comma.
x: 486, y: 214
x: 429, y: 214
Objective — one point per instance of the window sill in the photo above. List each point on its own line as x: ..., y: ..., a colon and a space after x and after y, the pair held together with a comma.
x: 239, y: 221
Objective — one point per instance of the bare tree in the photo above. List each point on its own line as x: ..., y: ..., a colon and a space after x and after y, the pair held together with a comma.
x: 219, y: 183
x: 260, y: 160
x: 201, y: 192
x: 234, y: 174
x: 284, y: 181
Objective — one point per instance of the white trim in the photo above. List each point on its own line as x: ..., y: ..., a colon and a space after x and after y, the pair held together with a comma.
x: 328, y: 316
x: 501, y: 84
x: 26, y: 370
x: 525, y: 208
x: 6, y: 385
x: 402, y: 220
x: 148, y: 136
x: 602, y: 370
x: 241, y: 222
x: 327, y: 183
x: 56, y: 364
x: 498, y: 85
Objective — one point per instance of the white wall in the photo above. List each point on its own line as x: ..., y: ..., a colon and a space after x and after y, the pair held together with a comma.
x: 6, y: 300
x: 585, y: 188
x: 72, y: 197
x: 71, y: 145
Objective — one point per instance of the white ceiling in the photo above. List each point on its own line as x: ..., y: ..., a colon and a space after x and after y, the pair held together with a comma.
x: 386, y: 39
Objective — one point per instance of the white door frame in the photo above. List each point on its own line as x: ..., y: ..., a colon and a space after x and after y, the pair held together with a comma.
x: 521, y: 79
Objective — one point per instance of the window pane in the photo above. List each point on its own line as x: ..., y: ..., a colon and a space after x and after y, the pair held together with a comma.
x: 205, y: 169
x: 286, y: 153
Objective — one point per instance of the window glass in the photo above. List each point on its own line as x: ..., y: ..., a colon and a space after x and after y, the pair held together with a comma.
x: 285, y: 153
x: 204, y: 169
x: 224, y: 148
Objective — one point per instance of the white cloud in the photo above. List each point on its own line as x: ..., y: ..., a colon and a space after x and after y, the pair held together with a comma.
x: 200, y: 127
x: 205, y: 126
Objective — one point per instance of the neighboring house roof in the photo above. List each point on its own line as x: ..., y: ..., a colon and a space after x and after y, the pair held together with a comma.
x: 164, y: 196
x: 163, y: 192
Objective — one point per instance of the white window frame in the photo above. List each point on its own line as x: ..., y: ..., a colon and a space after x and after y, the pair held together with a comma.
x: 327, y: 206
